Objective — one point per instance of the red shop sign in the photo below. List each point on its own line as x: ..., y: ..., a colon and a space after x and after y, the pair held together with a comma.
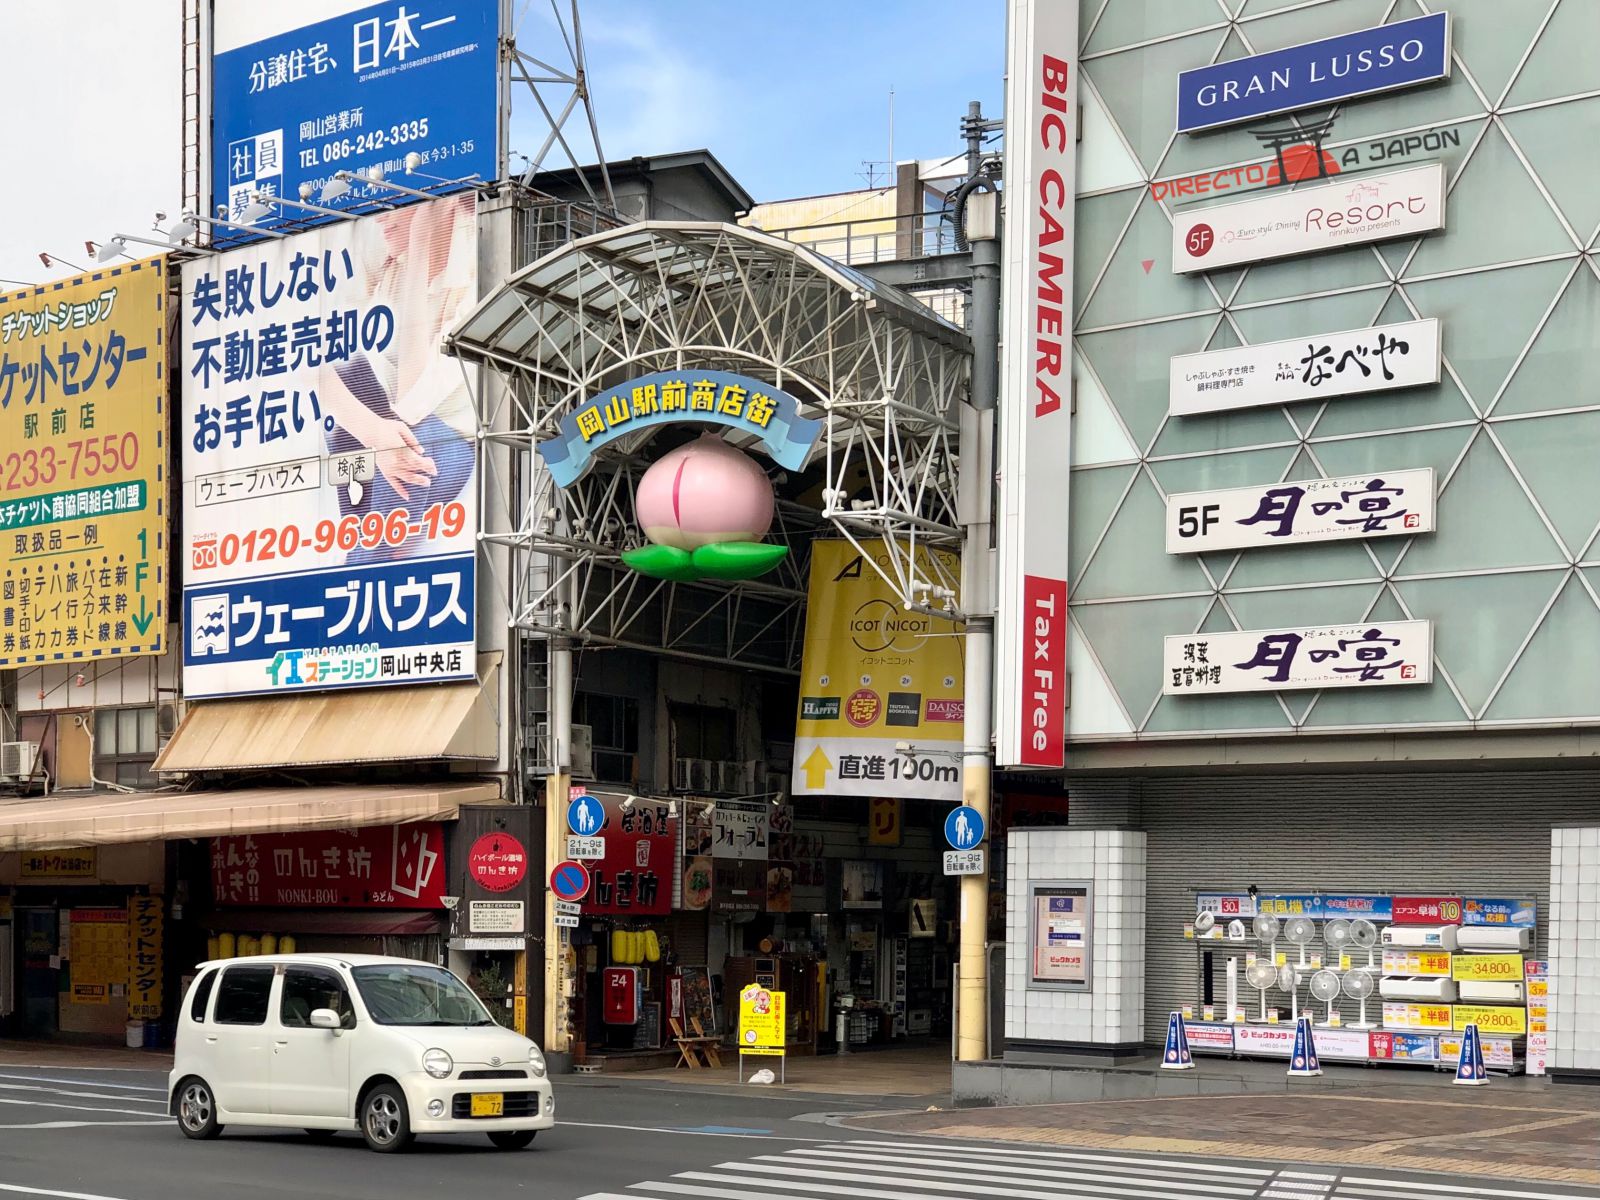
x: 382, y: 866
x: 636, y: 875
x: 1427, y: 910
x: 497, y: 862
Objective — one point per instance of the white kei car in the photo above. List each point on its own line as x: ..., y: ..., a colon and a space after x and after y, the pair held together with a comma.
x: 323, y: 1042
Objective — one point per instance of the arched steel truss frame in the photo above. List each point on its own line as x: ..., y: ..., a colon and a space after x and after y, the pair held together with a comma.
x: 885, y: 375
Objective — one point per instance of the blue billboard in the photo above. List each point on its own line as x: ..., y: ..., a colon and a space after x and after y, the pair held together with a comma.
x: 1317, y: 73
x: 362, y: 90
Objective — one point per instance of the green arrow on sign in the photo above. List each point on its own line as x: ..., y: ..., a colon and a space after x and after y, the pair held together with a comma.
x: 141, y: 622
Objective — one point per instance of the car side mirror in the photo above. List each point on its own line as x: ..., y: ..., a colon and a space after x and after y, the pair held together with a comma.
x: 324, y: 1018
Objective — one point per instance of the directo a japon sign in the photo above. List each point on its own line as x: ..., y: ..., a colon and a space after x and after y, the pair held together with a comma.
x: 386, y: 866
x: 497, y: 862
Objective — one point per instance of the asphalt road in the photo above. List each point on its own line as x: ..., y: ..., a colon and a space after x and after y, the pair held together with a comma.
x: 80, y: 1134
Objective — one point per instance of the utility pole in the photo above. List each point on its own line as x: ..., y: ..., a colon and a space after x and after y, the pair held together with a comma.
x: 980, y: 214
x: 558, y: 792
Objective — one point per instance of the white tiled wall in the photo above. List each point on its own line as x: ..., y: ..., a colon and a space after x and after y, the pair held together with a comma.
x: 1112, y: 1011
x: 1575, y: 948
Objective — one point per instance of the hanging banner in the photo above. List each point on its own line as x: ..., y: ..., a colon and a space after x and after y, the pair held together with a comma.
x: 83, y: 467
x: 874, y: 678
x: 641, y: 858
x: 1350, y: 211
x: 1035, y: 437
x: 740, y: 829
x: 1276, y: 660
x: 1355, y: 362
x: 1515, y: 914
x: 329, y: 502
x: 146, y: 924
x: 1335, y: 69
x: 293, y: 102
x: 1427, y: 910
x: 381, y: 866
x: 1307, y: 510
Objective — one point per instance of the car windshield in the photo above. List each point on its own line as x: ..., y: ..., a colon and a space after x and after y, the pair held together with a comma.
x: 406, y: 994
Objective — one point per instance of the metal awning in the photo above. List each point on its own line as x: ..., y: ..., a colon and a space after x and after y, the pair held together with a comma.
x: 438, y: 721
x: 60, y: 822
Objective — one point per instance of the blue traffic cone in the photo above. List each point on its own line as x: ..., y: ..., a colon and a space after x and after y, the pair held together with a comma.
x: 1469, y: 1067
x: 1303, y: 1062
x: 1176, y: 1055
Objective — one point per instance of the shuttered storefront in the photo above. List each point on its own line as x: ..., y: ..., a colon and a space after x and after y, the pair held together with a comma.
x: 1469, y: 833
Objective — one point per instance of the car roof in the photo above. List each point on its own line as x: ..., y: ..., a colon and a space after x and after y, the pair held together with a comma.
x: 329, y: 959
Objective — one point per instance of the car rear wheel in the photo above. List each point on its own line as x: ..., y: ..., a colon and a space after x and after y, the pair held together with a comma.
x: 385, y: 1122
x: 197, y: 1110
x: 513, y: 1139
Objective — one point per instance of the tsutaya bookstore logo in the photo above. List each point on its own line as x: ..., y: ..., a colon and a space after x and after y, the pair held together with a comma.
x: 1335, y: 69
x: 1349, y: 211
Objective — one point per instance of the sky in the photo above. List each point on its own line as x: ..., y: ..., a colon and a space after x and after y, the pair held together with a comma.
x: 791, y: 98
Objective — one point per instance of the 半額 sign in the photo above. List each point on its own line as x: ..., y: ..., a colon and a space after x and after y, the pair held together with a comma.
x: 1326, y: 72
x: 1307, y: 510
x: 1377, y: 654
x: 1349, y: 211
x: 1353, y: 362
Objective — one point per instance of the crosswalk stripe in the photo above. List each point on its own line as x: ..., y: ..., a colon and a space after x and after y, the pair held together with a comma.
x: 963, y: 1154
x: 1005, y: 1172
x: 963, y: 1162
x: 1413, y: 1189
x: 827, y: 1182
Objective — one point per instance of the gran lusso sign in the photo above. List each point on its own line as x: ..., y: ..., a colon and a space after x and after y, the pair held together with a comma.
x: 1349, y: 211
x: 670, y: 397
x: 1380, y: 59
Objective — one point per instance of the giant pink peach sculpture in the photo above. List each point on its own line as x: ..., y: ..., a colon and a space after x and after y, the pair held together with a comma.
x: 704, y: 507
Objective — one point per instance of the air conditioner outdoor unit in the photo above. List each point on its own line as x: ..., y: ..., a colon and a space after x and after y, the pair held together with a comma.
x: 17, y: 760
x: 693, y: 774
x: 732, y: 778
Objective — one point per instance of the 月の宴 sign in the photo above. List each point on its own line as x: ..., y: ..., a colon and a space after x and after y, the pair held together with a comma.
x: 1298, y: 512
x: 1376, y: 654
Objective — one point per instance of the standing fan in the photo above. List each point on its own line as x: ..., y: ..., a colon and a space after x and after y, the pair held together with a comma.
x: 1336, y: 934
x: 1266, y: 930
x: 1325, y: 987
x: 1300, y: 931
x: 1289, y: 981
x: 1261, y: 976
x: 1358, y: 986
x: 1364, y: 936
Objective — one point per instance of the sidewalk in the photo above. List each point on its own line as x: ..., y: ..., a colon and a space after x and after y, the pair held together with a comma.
x: 919, y: 1072
x: 1519, y: 1129
x: 81, y: 1057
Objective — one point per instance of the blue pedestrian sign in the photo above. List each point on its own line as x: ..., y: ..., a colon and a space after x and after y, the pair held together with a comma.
x: 585, y: 816
x: 963, y: 828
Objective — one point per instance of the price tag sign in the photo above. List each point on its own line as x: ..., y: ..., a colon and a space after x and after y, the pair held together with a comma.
x: 1344, y: 962
x: 1249, y: 959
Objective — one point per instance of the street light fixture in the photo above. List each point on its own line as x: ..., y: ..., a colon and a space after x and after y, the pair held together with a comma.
x: 339, y: 185
x: 261, y: 202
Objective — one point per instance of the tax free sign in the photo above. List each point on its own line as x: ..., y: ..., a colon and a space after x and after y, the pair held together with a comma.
x: 1380, y: 59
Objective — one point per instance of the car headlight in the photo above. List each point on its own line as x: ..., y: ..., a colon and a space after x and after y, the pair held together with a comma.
x: 535, y: 1060
x: 437, y: 1063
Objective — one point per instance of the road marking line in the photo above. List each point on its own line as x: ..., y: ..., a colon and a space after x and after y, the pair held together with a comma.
x: 907, y: 1186
x: 85, y: 1084
x: 1352, y: 1184
x: 668, y: 1129
x: 33, y: 1191
x: 1007, y: 1173
x: 80, y: 1124
x: 964, y: 1156
x: 50, y: 1091
x: 129, y: 1112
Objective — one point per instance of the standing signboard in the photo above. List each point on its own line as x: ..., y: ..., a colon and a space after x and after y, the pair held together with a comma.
x: 329, y: 504
x: 763, y: 1025
x: 875, y: 677
x: 83, y: 467
x: 296, y: 99
x: 1036, y: 385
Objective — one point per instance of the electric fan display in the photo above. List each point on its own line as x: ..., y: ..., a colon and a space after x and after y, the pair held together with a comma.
x: 1358, y: 985
x: 1266, y: 929
x: 1300, y: 931
x: 1325, y: 987
x: 1336, y: 934
x: 1364, y: 936
x: 1261, y: 976
x: 1204, y: 921
x: 1289, y: 981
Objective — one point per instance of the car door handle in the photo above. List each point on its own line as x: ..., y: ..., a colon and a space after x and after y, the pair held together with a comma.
x: 211, y: 1041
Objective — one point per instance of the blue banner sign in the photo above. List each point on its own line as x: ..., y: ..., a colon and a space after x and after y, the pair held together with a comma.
x: 355, y: 92
x: 1373, y: 908
x: 671, y: 397
x: 1333, y: 70
x: 1513, y: 914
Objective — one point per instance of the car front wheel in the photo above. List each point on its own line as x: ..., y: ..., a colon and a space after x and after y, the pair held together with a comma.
x: 197, y: 1110
x: 385, y: 1123
x: 513, y: 1139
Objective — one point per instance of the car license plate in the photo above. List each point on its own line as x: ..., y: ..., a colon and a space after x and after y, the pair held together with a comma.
x: 488, y: 1104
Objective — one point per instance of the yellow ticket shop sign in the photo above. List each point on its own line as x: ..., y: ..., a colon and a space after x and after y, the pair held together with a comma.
x: 761, y: 1021
x: 83, y: 467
